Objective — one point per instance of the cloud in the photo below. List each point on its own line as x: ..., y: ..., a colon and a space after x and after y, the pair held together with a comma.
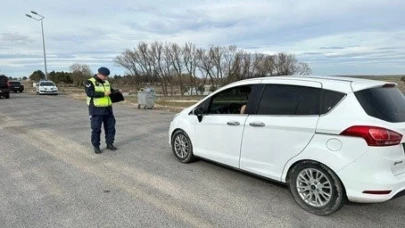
x: 332, y: 48
x: 14, y: 38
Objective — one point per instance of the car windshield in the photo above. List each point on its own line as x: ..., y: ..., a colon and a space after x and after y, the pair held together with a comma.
x: 47, y: 84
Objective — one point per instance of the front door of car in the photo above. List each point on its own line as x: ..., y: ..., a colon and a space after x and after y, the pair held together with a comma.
x: 218, y: 136
x: 284, y: 124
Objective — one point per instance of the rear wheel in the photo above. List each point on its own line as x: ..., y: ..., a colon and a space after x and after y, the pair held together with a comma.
x: 182, y: 147
x: 7, y: 96
x: 316, y: 188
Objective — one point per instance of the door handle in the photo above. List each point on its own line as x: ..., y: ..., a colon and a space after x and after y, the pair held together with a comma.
x: 257, y: 124
x: 233, y: 123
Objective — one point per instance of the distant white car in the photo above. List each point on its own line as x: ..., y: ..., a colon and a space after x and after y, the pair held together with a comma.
x: 330, y: 139
x: 46, y: 87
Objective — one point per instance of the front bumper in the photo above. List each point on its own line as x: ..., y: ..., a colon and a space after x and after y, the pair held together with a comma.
x: 47, y: 92
x: 171, y: 129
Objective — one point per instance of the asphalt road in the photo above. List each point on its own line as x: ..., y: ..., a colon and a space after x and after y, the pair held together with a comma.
x: 50, y: 177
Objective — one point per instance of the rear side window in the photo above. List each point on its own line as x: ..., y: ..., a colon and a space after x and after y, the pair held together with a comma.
x: 329, y: 100
x: 289, y: 100
x: 385, y: 103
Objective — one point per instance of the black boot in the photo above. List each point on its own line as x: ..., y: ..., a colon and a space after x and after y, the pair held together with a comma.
x: 111, y: 147
x: 97, y: 150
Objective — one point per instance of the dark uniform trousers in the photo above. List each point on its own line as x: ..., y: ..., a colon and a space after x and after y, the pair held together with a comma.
x: 109, y: 128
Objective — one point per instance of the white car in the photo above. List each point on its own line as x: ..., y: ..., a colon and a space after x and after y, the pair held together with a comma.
x: 330, y: 139
x: 46, y: 87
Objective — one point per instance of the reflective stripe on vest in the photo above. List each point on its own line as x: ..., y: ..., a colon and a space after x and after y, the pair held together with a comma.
x: 100, y: 87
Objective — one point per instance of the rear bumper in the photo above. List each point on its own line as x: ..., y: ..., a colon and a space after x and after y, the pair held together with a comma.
x: 380, y: 169
x: 16, y: 89
x: 4, y: 91
x: 354, y: 191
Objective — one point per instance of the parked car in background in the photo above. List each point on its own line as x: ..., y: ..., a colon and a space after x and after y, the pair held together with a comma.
x: 46, y: 87
x: 329, y: 139
x: 4, y: 87
x: 16, y: 86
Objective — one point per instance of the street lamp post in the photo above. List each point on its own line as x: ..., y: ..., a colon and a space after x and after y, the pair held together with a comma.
x: 43, y: 36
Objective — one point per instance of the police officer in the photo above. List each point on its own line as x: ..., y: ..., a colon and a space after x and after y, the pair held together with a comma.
x: 98, y: 90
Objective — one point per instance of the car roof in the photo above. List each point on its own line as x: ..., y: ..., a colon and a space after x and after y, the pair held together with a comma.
x: 337, y: 83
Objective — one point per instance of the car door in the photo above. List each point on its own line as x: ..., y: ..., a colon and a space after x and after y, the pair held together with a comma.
x: 283, y: 125
x: 219, y: 134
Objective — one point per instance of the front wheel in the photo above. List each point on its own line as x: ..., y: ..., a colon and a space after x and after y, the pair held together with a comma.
x: 316, y: 188
x: 182, y: 147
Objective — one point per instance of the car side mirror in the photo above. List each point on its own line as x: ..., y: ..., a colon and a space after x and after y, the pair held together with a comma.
x: 199, y: 112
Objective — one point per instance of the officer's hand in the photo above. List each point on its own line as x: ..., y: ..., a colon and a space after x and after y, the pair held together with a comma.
x: 107, y: 93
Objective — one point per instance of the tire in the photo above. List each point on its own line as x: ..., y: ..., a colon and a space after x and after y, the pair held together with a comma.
x: 325, y: 191
x: 7, y: 96
x: 182, y: 147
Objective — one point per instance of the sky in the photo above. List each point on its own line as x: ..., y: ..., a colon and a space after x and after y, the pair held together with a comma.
x: 333, y: 37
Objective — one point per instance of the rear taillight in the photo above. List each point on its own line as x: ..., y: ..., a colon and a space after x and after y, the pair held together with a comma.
x: 374, y: 136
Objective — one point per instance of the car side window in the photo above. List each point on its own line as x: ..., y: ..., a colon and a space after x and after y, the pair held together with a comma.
x: 230, y: 101
x: 289, y: 100
x: 329, y: 100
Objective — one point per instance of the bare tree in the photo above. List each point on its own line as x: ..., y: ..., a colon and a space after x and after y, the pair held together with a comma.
x: 217, y: 57
x: 157, y: 53
x: 175, y: 56
x: 191, y: 61
x: 249, y: 64
x: 145, y: 61
x: 303, y: 69
x: 267, y: 65
x: 80, y: 73
x: 230, y: 56
x: 130, y: 61
x: 285, y: 64
x: 246, y: 65
x: 206, y: 66
x: 172, y: 65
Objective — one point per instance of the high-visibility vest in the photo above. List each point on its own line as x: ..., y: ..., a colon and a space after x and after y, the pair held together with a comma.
x: 100, y: 87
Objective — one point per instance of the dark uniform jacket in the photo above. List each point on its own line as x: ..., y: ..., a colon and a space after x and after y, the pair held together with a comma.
x: 89, y: 87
